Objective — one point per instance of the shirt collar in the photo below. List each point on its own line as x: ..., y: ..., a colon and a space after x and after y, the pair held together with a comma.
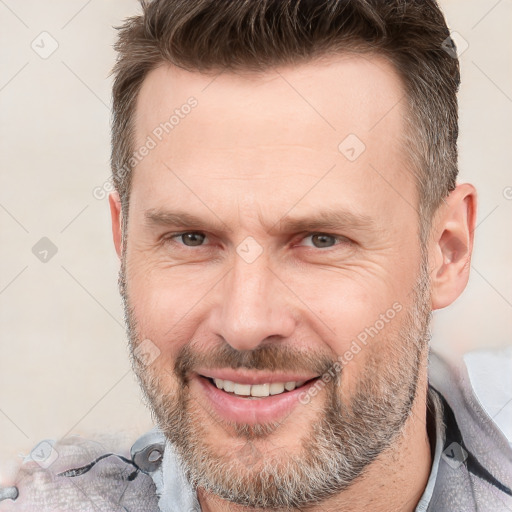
x: 435, y: 411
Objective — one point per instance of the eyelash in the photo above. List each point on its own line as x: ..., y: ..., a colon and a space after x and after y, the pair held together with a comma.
x: 339, y: 240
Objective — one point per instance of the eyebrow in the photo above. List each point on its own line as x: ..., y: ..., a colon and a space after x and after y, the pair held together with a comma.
x: 320, y: 221
x: 181, y: 218
x: 325, y: 220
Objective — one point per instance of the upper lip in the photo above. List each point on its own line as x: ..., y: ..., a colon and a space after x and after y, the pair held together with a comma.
x: 242, y: 376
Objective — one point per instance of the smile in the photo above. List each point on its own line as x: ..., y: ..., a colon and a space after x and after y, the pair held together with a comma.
x: 257, y: 390
x: 251, y: 398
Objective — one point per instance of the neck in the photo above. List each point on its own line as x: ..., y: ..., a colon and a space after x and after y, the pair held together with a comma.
x: 394, y: 481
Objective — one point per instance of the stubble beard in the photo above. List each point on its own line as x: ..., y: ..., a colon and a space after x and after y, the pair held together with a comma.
x: 339, y: 447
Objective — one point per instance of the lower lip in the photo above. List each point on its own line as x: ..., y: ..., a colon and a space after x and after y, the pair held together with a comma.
x: 252, y: 411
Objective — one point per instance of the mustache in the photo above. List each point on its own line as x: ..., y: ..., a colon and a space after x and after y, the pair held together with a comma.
x: 272, y: 357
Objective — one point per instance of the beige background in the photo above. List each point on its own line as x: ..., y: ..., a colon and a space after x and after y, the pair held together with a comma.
x: 63, y: 359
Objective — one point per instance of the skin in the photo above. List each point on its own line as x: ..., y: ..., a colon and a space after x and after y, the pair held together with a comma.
x: 257, y: 150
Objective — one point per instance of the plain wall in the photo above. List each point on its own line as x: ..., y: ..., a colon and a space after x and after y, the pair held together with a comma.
x: 64, y: 365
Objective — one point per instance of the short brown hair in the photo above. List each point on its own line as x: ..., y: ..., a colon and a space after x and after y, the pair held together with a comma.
x: 256, y: 35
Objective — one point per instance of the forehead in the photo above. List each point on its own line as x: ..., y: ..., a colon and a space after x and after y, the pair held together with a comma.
x: 335, y: 95
x: 275, y: 129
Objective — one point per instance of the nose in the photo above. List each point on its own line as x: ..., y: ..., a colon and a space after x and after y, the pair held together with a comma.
x: 251, y: 306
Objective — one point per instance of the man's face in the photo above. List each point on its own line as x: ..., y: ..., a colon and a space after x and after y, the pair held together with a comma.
x: 273, y: 232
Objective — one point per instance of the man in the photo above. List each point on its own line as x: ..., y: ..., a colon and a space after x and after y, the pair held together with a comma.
x: 287, y: 217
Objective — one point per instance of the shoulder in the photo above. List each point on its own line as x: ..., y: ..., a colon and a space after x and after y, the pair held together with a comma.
x: 476, y: 461
x: 490, y: 375
x: 80, y: 474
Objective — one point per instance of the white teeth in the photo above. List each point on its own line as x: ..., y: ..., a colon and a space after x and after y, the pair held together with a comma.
x: 289, y: 386
x: 242, y: 389
x: 276, y: 388
x: 260, y: 390
x: 257, y: 390
x: 229, y: 386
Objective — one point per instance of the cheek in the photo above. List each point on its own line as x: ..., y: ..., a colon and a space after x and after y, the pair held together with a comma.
x: 360, y: 320
x: 345, y: 303
x: 167, y: 303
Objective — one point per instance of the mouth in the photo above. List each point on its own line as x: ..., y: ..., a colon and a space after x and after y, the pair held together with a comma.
x: 256, y: 391
x: 251, y: 399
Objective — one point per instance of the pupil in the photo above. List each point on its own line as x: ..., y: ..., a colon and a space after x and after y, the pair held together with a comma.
x: 322, y: 240
x: 192, y: 238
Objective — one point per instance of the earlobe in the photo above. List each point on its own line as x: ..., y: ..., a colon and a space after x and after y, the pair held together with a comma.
x: 452, y: 243
x: 117, y: 222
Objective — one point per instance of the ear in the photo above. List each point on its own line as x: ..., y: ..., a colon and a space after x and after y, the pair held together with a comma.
x: 451, y: 245
x: 117, y: 221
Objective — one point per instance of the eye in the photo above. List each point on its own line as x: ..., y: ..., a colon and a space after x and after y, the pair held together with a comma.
x: 324, y: 240
x: 189, y: 238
